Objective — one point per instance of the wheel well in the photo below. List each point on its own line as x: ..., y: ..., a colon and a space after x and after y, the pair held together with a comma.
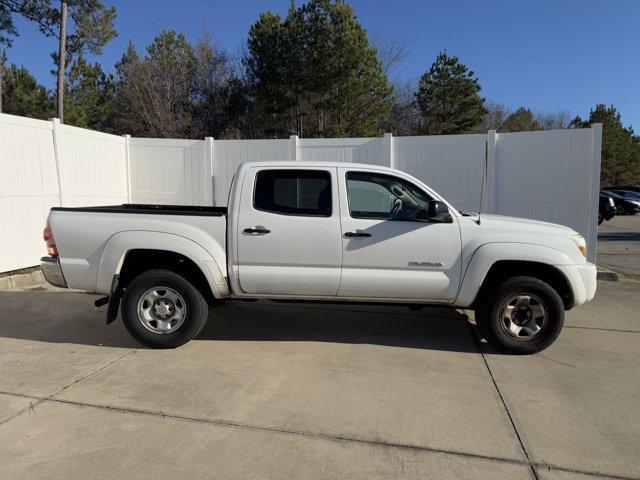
x: 504, y: 269
x: 139, y: 261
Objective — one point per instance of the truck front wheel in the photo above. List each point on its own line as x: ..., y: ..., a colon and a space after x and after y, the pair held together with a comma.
x: 162, y: 309
x: 523, y: 315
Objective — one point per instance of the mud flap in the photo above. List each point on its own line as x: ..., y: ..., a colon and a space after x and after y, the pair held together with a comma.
x: 114, y: 300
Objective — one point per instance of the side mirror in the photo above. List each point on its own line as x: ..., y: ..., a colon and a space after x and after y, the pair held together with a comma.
x: 437, y: 211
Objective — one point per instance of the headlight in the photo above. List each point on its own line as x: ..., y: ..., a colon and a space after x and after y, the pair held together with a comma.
x: 580, y: 243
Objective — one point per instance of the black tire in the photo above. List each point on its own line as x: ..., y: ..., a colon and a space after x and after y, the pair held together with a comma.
x: 196, y: 309
x: 494, y: 329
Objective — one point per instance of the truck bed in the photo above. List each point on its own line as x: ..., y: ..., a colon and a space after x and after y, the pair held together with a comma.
x: 150, y: 209
x: 89, y: 238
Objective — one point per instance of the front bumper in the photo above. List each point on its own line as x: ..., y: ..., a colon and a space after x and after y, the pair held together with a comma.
x: 609, y: 213
x: 52, y: 272
x: 583, y: 281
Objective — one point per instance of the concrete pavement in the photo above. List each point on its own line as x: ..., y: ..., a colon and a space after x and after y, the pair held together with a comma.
x: 304, y: 391
x: 619, y: 245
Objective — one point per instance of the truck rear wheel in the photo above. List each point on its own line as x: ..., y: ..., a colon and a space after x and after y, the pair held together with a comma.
x: 162, y: 309
x: 524, y: 315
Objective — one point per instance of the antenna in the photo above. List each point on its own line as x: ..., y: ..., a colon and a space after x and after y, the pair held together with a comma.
x: 483, y: 186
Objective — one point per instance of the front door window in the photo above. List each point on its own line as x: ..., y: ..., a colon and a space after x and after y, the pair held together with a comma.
x: 384, y: 197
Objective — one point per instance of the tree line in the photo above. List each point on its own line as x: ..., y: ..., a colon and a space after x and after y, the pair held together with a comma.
x: 314, y: 72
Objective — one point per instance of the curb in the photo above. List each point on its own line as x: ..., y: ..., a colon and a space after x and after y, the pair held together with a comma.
x: 607, y: 275
x: 25, y: 280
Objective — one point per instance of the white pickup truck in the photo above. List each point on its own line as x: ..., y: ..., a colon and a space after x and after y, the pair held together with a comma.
x: 320, y: 232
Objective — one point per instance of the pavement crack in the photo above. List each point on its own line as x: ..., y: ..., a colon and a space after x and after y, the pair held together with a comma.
x: 322, y: 436
x: 31, y: 407
x: 98, y: 370
x: 280, y: 430
x: 582, y: 327
x: 476, y: 338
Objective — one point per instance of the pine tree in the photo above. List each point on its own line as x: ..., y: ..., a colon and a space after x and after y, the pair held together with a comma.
x: 23, y: 95
x: 620, y: 157
x: 448, y: 97
x: 314, y: 73
x: 3, y: 60
x: 156, y: 93
x: 90, y: 97
x: 79, y: 25
x: 522, y: 120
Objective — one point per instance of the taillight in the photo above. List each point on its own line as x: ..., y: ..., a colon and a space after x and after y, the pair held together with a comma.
x: 47, y: 234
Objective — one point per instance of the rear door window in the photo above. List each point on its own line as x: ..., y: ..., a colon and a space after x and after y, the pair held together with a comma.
x: 293, y: 192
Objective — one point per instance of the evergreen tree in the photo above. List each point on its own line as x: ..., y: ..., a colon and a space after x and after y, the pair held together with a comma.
x: 79, y: 25
x: 7, y: 32
x: 271, y: 78
x: 3, y: 61
x: 315, y: 73
x: 22, y: 95
x: 156, y: 92
x: 90, y: 97
x: 177, y: 90
x: 522, y: 120
x: 220, y: 95
x: 620, y: 158
x: 448, y: 97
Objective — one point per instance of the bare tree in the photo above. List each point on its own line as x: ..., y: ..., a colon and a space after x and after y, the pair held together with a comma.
x: 155, y: 92
x: 553, y: 120
x: 391, y: 52
x: 503, y: 118
x: 497, y: 114
x: 179, y: 90
x: 220, y: 97
x: 404, y: 118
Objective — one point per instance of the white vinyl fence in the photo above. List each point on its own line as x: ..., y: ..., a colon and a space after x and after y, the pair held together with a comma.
x: 550, y: 175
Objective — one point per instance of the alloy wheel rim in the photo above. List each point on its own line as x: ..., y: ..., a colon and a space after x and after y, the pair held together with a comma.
x: 161, y: 310
x: 523, y: 316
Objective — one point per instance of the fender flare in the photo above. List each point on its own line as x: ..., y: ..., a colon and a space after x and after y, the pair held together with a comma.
x: 488, y: 254
x: 121, y: 243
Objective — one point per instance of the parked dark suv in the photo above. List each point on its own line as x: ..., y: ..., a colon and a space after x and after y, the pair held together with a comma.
x: 628, y: 194
x: 624, y: 206
x: 606, y: 209
x: 631, y: 188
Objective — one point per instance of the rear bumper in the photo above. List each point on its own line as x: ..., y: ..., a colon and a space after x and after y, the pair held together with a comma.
x: 52, y: 272
x: 583, y: 281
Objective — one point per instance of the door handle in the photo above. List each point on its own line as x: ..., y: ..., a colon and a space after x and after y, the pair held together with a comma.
x: 357, y: 234
x: 257, y: 231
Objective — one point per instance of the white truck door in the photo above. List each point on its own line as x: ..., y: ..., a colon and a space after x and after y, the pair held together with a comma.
x: 289, y: 232
x: 387, y: 251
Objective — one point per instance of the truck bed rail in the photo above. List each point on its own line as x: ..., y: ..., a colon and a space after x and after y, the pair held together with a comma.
x: 140, y: 208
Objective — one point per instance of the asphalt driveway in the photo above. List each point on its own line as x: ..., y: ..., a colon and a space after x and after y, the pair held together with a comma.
x: 286, y: 391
